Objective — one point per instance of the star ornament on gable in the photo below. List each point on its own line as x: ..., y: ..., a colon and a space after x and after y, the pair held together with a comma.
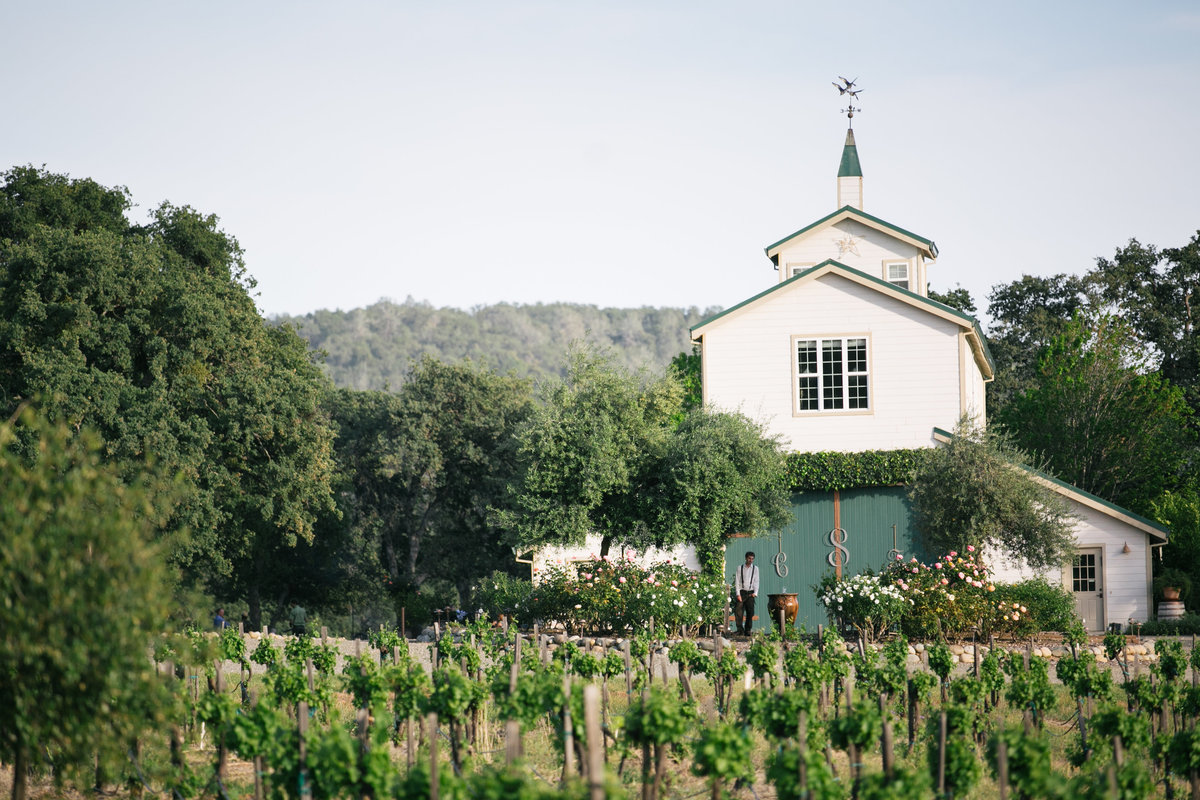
x: 847, y: 244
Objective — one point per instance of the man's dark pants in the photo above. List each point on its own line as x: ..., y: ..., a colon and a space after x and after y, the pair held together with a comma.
x: 747, y: 612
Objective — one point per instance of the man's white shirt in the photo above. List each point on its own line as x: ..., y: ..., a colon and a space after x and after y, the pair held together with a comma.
x: 746, y: 579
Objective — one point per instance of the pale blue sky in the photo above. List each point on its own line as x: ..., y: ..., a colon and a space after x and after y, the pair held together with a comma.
x: 615, y: 153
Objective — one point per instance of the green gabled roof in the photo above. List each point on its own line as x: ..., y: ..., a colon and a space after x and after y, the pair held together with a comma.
x: 867, y: 219
x: 966, y: 320
x: 849, y: 168
x: 1062, y: 487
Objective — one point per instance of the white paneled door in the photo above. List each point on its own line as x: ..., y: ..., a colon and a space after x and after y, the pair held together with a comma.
x: 1087, y: 584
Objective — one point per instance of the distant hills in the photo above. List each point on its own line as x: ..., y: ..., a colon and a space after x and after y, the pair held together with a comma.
x: 372, y: 347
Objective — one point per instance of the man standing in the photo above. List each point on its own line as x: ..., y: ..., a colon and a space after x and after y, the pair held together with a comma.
x: 299, y: 620
x: 746, y: 584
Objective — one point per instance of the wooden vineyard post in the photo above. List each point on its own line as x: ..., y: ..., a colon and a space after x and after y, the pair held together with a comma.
x: 595, y: 742
x: 1002, y: 769
x: 512, y: 741
x: 650, y: 655
x: 568, y: 732
x: 431, y: 730
x: 303, y: 788
x: 914, y: 711
x: 885, y: 744
x: 628, y: 672
x: 941, y: 774
x: 411, y: 744
x: 802, y: 753
x: 222, y: 755
x: 718, y: 682
x: 364, y: 748
x: 259, y: 766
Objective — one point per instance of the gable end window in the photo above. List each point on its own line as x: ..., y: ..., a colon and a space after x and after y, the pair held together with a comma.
x: 832, y: 375
x: 897, y: 274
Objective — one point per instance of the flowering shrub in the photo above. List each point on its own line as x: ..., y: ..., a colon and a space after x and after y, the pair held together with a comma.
x: 951, y: 596
x: 956, y: 595
x: 601, y: 595
x: 865, y: 602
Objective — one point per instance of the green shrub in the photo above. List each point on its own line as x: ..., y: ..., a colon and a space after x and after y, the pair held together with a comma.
x: 1187, y: 625
x: 1048, y: 607
x: 502, y: 594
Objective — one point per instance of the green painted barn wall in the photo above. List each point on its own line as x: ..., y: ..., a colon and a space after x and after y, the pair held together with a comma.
x: 867, y: 516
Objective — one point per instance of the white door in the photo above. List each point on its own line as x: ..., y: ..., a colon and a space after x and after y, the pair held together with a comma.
x: 1087, y: 584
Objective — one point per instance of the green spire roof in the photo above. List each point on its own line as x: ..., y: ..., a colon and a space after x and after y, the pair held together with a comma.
x: 849, y: 167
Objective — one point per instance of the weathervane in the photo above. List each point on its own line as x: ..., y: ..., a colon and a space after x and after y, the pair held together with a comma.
x: 847, y: 87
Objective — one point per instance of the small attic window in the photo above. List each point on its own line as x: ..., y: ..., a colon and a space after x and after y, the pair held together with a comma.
x: 794, y: 268
x: 897, y: 273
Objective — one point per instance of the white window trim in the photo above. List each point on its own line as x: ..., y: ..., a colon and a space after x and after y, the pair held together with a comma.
x: 793, y: 268
x: 839, y: 412
x: 908, y: 272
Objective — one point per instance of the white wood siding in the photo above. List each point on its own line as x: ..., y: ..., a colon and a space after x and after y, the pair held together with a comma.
x: 874, y: 248
x: 914, y: 365
x: 1125, y: 577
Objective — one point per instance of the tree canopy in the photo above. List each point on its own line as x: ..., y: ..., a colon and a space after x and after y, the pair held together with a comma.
x: 1101, y: 420
x: 608, y: 454
x: 1156, y: 292
x: 972, y: 491
x: 149, y: 335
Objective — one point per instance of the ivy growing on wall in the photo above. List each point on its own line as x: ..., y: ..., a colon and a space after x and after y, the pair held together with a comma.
x: 829, y: 471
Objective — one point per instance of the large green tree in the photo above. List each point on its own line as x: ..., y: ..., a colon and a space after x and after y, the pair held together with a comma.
x: 1026, y: 315
x: 149, y: 335
x: 443, y: 457
x: 1157, y: 292
x: 1100, y: 418
x: 973, y: 491
x: 608, y: 453
x: 84, y: 590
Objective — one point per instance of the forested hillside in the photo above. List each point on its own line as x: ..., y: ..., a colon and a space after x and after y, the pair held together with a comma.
x: 373, y: 347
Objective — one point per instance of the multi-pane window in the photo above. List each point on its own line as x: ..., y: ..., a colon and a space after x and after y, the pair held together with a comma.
x: 897, y: 274
x: 831, y: 374
x: 1083, y: 573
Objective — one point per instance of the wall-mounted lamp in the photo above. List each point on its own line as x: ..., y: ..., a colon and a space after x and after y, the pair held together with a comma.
x: 1126, y: 549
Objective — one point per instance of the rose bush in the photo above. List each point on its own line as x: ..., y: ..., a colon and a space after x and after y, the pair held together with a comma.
x: 866, y: 602
x: 950, y: 596
x: 956, y: 595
